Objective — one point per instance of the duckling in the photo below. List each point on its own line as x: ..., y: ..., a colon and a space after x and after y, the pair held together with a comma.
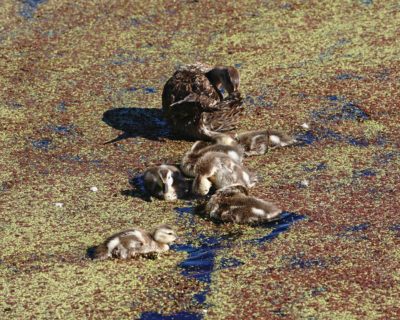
x: 218, y: 169
x: 129, y: 243
x: 193, y: 104
x: 199, y: 149
x: 260, y: 141
x: 165, y: 182
x: 233, y: 204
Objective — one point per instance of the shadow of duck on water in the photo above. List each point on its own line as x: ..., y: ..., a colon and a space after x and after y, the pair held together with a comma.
x: 200, y: 263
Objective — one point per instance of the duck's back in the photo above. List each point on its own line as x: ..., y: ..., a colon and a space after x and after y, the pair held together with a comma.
x: 184, y: 82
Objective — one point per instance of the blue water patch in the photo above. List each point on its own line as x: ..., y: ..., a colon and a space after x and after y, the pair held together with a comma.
x: 335, y: 98
x: 61, y: 107
x: 15, y: 105
x: 300, y: 262
x: 346, y: 111
x: 318, y: 167
x: 186, y: 213
x: 358, y: 142
x: 367, y: 2
x: 64, y: 130
x: 29, y: 7
x: 387, y: 157
x: 357, y: 228
x: 237, y: 65
x: 306, y: 138
x: 227, y: 263
x: 364, y: 173
x: 348, y: 76
x: 176, y: 316
x: 355, y: 232
x: 395, y: 228
x: 149, y: 90
x: 287, y: 219
x: 44, y: 144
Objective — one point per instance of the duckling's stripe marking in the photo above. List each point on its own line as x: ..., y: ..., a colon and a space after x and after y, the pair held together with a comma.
x: 275, y: 139
x: 258, y: 212
x: 113, y: 244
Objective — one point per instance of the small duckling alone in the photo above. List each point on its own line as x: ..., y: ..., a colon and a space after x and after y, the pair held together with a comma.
x: 218, y: 169
x: 129, y: 243
x: 165, y: 182
x: 233, y: 204
x: 258, y: 142
x: 200, y: 148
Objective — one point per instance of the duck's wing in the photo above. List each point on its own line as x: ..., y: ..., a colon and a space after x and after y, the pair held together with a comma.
x: 224, y: 116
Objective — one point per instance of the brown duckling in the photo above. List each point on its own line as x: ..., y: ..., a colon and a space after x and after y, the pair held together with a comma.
x: 193, y: 104
x: 233, y: 204
x: 218, y: 169
x: 165, y: 182
x: 199, y: 149
x: 260, y: 141
x: 130, y: 243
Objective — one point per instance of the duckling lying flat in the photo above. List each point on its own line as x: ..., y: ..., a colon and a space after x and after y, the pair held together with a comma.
x: 218, y: 169
x: 129, y: 243
x: 165, y: 182
x: 233, y: 204
x: 199, y: 149
x: 258, y: 142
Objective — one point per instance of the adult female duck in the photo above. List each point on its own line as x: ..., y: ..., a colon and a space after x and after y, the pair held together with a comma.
x: 195, y: 107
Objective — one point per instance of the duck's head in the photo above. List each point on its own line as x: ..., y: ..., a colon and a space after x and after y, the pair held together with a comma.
x: 225, y: 77
x: 164, y: 234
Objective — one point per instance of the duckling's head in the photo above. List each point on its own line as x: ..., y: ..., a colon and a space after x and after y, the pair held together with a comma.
x: 226, y: 77
x: 166, y: 181
x: 281, y: 140
x: 164, y: 234
x: 224, y: 139
x: 201, y: 185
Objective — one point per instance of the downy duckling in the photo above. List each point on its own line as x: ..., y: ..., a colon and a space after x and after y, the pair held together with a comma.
x: 224, y: 139
x: 233, y: 204
x: 260, y: 141
x: 199, y: 149
x: 165, y: 182
x: 218, y: 169
x: 129, y: 243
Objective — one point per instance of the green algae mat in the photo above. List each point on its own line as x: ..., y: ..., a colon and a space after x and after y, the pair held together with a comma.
x: 80, y: 101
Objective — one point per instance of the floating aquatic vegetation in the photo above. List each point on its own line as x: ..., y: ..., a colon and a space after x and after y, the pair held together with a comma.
x: 29, y: 7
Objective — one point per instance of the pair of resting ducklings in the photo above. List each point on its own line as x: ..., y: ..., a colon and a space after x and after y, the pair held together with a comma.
x: 195, y: 108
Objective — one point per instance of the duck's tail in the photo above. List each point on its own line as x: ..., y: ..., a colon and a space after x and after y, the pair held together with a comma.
x: 223, y: 117
x: 99, y: 252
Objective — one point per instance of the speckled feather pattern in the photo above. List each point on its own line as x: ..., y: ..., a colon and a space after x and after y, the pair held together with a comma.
x: 68, y: 65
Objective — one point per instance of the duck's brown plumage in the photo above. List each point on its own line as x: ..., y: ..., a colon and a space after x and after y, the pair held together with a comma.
x: 193, y: 105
